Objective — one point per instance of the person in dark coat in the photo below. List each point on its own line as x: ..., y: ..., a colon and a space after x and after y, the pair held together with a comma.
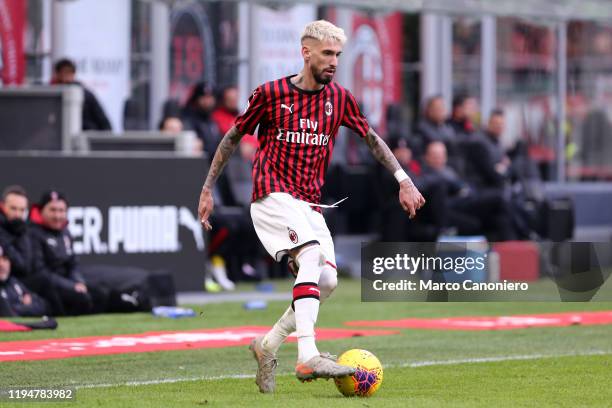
x: 464, y: 110
x: 18, y: 246
x: 94, y: 117
x: 487, y: 165
x: 462, y: 206
x: 13, y: 231
x: 15, y: 298
x: 54, y: 256
x: 197, y: 115
x: 432, y: 127
x: 489, y: 171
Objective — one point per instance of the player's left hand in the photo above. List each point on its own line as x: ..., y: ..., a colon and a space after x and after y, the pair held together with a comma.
x: 410, y: 198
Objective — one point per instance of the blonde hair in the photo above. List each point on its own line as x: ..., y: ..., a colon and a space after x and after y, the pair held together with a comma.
x: 323, y: 30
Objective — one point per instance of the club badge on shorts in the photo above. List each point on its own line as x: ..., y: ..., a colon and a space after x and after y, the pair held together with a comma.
x: 293, y: 236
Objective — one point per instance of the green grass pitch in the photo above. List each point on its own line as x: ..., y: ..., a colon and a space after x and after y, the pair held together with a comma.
x: 535, y: 367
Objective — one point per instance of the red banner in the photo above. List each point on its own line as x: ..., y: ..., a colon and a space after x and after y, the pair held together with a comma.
x: 12, y: 58
x: 155, y: 341
x: 376, y: 55
x: 494, y: 322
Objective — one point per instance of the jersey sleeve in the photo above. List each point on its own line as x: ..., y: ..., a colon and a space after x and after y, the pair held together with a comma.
x: 353, y: 117
x: 253, y: 114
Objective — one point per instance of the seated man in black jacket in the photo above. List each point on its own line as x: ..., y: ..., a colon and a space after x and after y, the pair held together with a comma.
x: 463, y: 114
x: 13, y: 231
x: 54, y: 256
x: 15, y: 298
x: 487, y: 164
x: 470, y: 210
x: 17, y: 244
x: 432, y: 127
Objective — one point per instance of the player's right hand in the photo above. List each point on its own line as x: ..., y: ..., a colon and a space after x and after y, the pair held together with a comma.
x: 205, y: 207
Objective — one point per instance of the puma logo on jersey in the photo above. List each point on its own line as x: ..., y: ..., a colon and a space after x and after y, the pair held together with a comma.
x: 289, y: 108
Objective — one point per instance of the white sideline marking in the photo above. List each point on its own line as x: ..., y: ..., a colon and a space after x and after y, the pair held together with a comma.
x: 415, y: 364
x: 498, y: 358
x: 169, y: 381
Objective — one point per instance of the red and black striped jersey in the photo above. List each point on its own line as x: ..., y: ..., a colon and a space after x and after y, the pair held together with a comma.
x: 297, y: 130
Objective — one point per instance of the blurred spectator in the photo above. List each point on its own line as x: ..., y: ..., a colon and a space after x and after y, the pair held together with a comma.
x: 227, y: 111
x: 432, y: 127
x: 18, y: 246
x: 403, y: 151
x: 13, y: 231
x: 55, y: 258
x: 493, y: 133
x: 197, y: 115
x: 514, y: 173
x: 94, y: 117
x: 224, y: 116
x: 463, y: 116
x: 470, y: 210
x: 596, y: 140
x: 436, y: 160
x: 487, y: 164
x: 459, y: 195
x: 487, y: 170
x: 173, y: 125
x: 15, y: 298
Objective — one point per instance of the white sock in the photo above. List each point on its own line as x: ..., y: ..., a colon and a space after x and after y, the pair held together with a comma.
x: 306, y: 311
x: 306, y: 295
x: 286, y: 324
x: 280, y: 331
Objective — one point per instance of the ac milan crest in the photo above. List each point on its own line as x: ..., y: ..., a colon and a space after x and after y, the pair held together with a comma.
x: 329, y: 108
x: 68, y: 244
x: 293, y: 236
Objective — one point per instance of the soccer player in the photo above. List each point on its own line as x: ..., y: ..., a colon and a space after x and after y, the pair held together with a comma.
x: 298, y: 118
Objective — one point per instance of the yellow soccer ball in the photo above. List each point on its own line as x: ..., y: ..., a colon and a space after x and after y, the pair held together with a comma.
x: 367, y: 378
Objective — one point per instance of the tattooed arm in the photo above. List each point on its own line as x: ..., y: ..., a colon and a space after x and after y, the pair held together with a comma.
x: 228, y: 144
x: 381, y: 151
x: 409, y: 196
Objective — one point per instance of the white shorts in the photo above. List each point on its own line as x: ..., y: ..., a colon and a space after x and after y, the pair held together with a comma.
x: 283, y: 222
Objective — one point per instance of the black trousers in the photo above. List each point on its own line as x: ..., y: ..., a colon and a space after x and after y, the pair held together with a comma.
x: 5, y: 308
x: 234, y: 238
x: 62, y: 301
x: 493, y: 211
x: 38, y: 307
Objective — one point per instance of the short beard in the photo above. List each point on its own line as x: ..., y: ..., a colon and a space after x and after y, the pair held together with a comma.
x: 319, y: 78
